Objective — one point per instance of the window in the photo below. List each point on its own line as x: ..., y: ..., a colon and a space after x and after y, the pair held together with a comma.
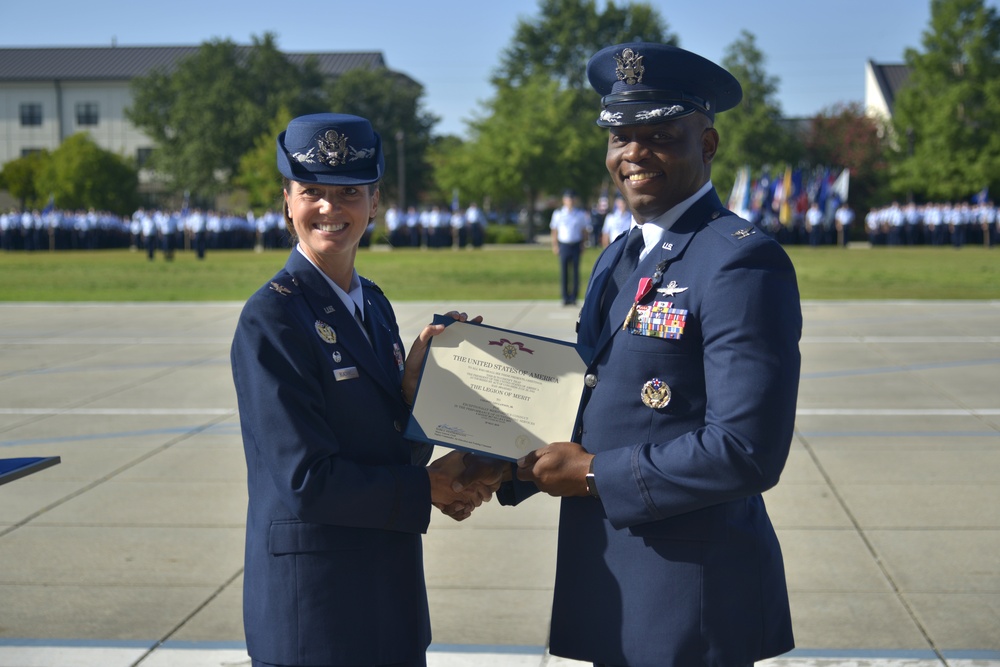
x: 86, y: 113
x: 142, y: 156
x: 31, y: 113
x: 25, y: 152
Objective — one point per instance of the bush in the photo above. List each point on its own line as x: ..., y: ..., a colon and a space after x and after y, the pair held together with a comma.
x: 503, y: 234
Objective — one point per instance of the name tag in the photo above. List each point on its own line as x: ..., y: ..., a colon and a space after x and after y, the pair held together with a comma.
x: 348, y: 373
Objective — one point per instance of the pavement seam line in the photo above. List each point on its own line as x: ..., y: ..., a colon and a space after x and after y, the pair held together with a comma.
x: 870, y: 547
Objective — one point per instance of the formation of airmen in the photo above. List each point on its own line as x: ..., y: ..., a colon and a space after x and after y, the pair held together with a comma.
x: 146, y: 229
x: 936, y: 224
x: 435, y: 227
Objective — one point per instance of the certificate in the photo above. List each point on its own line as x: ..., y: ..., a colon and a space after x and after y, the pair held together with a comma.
x: 495, y: 391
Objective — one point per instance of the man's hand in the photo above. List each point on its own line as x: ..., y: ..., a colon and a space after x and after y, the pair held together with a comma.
x: 558, y: 469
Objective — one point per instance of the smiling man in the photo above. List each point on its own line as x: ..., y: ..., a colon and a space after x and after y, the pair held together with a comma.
x: 666, y: 553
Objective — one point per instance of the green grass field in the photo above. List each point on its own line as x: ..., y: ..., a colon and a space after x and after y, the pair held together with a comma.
x: 493, y: 273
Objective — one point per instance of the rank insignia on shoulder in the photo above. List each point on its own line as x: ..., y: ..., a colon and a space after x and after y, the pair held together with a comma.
x: 280, y: 289
x: 326, y: 332
x: 745, y: 232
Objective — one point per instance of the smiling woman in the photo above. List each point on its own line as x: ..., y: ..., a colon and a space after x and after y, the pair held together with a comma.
x: 337, y: 498
x: 328, y: 222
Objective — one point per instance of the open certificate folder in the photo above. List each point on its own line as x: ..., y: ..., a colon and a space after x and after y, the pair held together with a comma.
x: 495, y: 391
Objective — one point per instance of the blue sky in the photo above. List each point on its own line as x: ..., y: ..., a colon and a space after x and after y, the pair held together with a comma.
x: 817, y: 50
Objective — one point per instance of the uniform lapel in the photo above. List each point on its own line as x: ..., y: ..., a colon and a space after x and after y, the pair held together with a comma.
x: 675, y: 241
x: 328, y: 307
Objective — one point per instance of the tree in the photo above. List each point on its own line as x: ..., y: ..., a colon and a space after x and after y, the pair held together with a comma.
x: 19, y: 177
x: 530, y: 142
x: 568, y: 32
x: 392, y: 103
x: 946, y: 122
x: 752, y: 133
x: 207, y: 113
x: 82, y: 175
x: 538, y: 132
x: 258, y: 170
x: 844, y: 137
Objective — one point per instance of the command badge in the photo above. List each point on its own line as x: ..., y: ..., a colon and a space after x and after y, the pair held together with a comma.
x: 655, y: 394
x: 326, y: 332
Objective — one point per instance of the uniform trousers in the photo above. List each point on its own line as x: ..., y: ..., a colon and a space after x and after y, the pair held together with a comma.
x: 417, y: 662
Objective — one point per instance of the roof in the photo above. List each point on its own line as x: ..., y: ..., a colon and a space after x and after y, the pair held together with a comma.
x: 124, y: 63
x: 890, y: 79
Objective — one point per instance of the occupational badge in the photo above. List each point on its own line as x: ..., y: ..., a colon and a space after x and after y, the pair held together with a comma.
x: 326, y: 332
x: 630, y: 68
x: 655, y: 394
x: 671, y: 289
x: 336, y: 357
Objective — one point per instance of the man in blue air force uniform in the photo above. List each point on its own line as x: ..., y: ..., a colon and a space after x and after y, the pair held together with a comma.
x: 666, y: 553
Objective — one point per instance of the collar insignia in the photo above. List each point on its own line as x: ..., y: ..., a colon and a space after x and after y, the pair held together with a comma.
x: 630, y: 68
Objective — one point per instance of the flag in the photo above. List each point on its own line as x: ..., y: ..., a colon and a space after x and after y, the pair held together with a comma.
x: 50, y: 206
x: 739, y: 197
x: 981, y: 196
x: 787, y: 193
x: 841, y: 185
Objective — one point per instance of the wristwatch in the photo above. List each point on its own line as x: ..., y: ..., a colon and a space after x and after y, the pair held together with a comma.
x: 592, y: 481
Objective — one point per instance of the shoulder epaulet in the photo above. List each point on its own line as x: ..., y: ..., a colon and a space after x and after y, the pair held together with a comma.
x: 367, y: 282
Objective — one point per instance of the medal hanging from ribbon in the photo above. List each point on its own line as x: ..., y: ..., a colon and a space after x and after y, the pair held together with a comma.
x: 645, y: 284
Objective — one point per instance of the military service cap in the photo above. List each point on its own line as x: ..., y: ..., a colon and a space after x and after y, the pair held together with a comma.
x: 643, y: 83
x: 331, y: 149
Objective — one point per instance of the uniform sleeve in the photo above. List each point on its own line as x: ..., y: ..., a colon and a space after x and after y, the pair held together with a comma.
x: 289, y: 438
x: 751, y: 323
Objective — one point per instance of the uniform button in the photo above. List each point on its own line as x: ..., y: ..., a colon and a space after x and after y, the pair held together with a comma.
x: 397, y: 425
x: 590, y: 380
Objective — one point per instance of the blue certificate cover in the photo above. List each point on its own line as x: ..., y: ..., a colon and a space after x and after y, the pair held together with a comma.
x: 11, y: 469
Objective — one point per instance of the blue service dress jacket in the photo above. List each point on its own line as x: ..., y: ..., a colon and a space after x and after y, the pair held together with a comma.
x: 676, y: 563
x: 338, y: 500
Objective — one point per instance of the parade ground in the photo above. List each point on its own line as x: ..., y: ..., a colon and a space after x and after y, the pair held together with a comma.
x: 129, y: 552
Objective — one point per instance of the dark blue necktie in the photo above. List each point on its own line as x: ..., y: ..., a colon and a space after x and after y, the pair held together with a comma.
x: 623, y: 269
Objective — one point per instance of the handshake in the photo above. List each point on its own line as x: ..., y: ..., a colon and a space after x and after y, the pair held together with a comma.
x: 462, y: 481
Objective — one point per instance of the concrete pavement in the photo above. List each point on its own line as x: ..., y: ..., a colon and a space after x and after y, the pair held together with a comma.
x: 130, y: 551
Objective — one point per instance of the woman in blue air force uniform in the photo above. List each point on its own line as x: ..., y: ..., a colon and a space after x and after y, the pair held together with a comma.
x: 337, y: 498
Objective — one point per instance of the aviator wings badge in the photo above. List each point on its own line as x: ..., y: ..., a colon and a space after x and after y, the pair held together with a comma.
x: 671, y: 289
